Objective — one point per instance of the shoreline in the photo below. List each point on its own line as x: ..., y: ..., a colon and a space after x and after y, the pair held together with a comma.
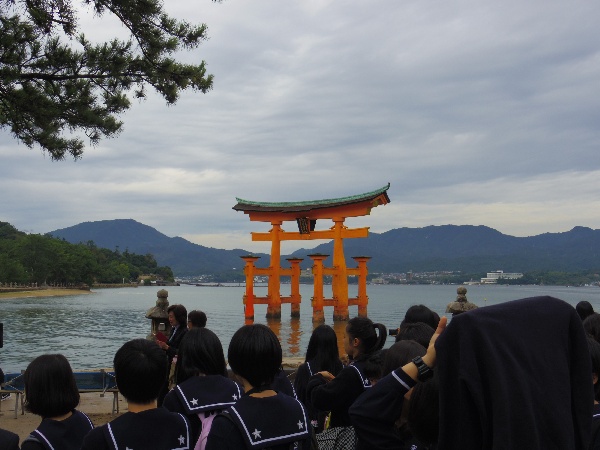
x: 12, y: 293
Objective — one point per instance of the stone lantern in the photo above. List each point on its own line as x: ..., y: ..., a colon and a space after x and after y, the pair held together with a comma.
x: 461, y: 304
x: 159, y: 315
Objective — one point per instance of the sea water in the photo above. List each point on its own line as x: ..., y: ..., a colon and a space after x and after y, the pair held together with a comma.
x: 88, y: 329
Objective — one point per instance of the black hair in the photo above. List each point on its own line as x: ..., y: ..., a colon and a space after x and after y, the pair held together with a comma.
x: 584, y: 309
x: 140, y: 370
x: 374, y: 365
x: 420, y: 313
x: 255, y: 354
x: 591, y: 325
x: 594, y: 347
x: 419, y: 331
x: 198, y: 318
x: 323, y: 350
x: 200, y: 352
x: 50, y: 387
x: 424, y: 411
x: 401, y: 353
x: 363, y: 329
x: 180, y: 313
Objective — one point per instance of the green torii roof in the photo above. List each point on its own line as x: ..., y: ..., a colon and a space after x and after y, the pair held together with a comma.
x: 249, y: 205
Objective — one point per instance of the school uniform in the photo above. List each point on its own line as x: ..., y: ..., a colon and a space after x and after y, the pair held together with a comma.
x: 374, y: 413
x: 156, y: 429
x: 338, y: 394
x: 305, y: 371
x: 65, y: 434
x: 8, y: 440
x: 515, y: 375
x: 202, y: 394
x: 595, y: 443
x: 281, y: 383
x: 254, y: 423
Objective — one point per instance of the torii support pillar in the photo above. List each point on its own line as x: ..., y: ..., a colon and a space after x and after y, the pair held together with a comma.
x: 295, y: 297
x: 317, y: 300
x: 249, y: 296
x: 362, y: 298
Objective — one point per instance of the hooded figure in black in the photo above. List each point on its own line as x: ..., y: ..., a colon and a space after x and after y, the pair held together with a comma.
x: 515, y: 376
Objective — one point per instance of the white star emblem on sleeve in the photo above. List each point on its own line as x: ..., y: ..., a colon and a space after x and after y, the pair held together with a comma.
x: 300, y: 425
x: 194, y: 402
x: 235, y: 397
x: 256, y: 434
x: 181, y: 440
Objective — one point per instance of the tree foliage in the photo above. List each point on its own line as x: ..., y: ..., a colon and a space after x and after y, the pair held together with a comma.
x: 54, y: 82
x: 33, y: 258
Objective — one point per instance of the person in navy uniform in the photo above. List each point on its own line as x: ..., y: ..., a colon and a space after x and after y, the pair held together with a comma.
x: 140, y: 370
x: 374, y: 413
x: 8, y: 440
x: 262, y: 417
x: 51, y: 392
x: 326, y: 392
x: 203, y: 386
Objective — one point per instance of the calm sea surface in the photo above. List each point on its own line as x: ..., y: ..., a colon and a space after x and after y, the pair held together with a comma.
x: 88, y: 329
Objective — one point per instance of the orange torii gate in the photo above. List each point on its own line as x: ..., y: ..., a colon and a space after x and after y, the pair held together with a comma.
x: 306, y: 215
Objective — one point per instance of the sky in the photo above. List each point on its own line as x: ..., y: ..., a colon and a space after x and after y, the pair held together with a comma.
x: 476, y: 113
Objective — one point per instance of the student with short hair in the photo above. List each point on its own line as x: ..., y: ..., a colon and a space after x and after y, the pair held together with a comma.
x: 52, y: 394
x: 203, y: 386
x: 262, y: 417
x: 196, y: 319
x: 140, y: 370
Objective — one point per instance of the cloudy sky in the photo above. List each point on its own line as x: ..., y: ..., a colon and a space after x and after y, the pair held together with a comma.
x: 476, y: 113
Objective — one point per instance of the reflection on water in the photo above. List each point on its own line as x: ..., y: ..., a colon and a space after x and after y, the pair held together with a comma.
x: 88, y: 329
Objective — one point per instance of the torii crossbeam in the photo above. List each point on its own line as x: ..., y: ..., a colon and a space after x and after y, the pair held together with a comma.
x: 306, y: 214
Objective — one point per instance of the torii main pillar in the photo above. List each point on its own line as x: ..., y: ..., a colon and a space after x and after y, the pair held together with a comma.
x: 306, y: 215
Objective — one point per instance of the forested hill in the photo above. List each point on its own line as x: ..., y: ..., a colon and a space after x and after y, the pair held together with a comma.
x: 450, y: 247
x: 182, y: 256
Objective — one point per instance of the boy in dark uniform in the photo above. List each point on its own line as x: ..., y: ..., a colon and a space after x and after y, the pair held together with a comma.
x: 140, y: 370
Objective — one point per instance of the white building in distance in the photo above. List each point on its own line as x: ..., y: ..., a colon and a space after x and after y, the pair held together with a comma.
x: 493, y: 277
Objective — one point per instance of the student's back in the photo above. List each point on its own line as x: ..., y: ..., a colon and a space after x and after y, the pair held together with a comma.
x: 262, y: 418
x: 203, y: 387
x: 140, y: 370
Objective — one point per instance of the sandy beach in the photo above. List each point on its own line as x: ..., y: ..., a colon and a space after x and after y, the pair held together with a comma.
x: 47, y: 292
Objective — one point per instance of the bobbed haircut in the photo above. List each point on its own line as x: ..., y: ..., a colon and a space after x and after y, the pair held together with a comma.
x: 420, y: 313
x: 594, y: 347
x: 419, y: 331
x: 584, y: 309
x: 401, y: 353
x: 363, y: 329
x: 200, y: 352
x: 255, y: 354
x: 50, y: 388
x: 179, y: 312
x: 591, y: 325
x: 323, y: 350
x: 140, y: 370
x: 198, y: 318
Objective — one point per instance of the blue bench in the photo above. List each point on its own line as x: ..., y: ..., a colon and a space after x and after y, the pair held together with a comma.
x: 101, y: 381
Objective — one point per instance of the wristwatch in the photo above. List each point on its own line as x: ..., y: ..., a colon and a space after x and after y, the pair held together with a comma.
x: 424, y: 371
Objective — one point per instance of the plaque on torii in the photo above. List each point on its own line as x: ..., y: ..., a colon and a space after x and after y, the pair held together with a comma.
x: 306, y: 214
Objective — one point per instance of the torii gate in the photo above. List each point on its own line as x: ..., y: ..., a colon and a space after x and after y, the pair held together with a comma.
x: 306, y: 214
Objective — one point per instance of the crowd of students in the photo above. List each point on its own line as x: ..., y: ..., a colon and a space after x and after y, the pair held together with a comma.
x: 523, y: 374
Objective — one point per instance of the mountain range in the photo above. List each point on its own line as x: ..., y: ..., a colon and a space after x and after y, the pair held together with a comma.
x: 465, y: 248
